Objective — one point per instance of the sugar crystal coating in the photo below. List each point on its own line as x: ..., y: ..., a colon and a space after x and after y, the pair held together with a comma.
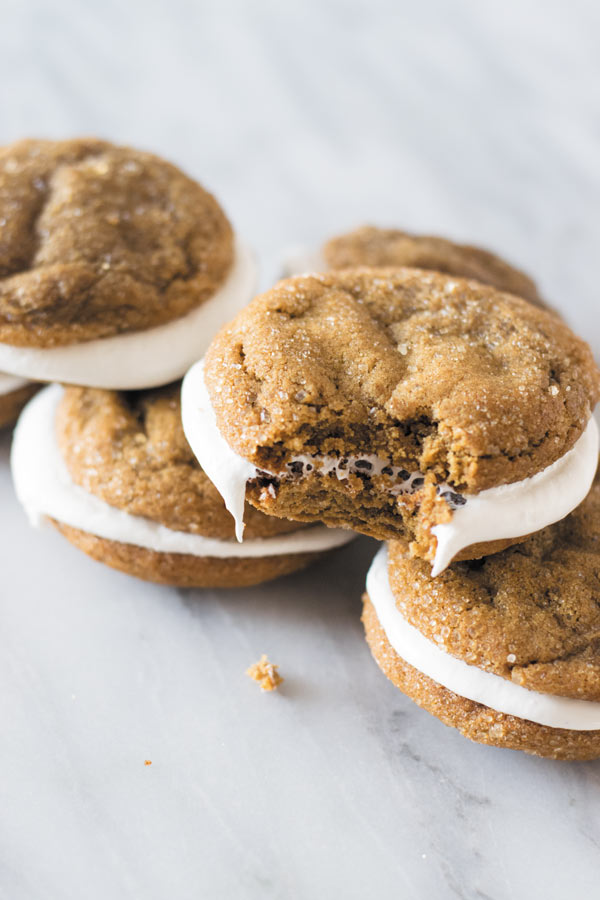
x: 529, y: 614
x: 129, y: 449
x: 98, y: 240
x: 401, y: 371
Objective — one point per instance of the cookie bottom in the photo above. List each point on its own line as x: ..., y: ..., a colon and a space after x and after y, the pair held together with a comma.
x: 181, y: 569
x: 12, y: 403
x: 474, y: 720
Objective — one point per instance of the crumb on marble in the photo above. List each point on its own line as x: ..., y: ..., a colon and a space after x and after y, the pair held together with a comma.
x: 265, y: 674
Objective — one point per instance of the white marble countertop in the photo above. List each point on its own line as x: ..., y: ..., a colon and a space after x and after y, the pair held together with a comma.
x: 475, y: 120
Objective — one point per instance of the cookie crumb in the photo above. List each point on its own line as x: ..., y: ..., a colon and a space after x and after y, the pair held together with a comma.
x: 265, y: 674
x: 147, y: 762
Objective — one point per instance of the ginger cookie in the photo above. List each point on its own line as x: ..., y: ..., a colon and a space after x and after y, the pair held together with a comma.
x: 504, y: 648
x: 371, y: 246
x: 114, y: 473
x: 404, y: 404
x: 115, y: 267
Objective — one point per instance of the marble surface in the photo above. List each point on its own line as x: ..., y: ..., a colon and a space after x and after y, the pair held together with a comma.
x: 476, y: 120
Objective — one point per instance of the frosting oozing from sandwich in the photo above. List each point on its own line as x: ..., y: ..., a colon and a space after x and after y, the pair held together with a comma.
x: 506, y: 511
x: 46, y: 490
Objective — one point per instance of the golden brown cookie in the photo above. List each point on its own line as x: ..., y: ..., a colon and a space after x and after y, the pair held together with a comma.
x: 129, y: 449
x: 474, y: 720
x: 13, y: 402
x: 371, y: 246
x: 98, y: 240
x: 182, y: 569
x: 112, y: 471
x: 382, y: 400
x: 529, y: 615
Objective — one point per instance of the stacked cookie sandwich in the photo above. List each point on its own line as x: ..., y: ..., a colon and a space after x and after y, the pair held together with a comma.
x: 114, y: 265
x: 453, y: 421
x: 504, y: 648
x: 414, y: 390
x: 116, y: 269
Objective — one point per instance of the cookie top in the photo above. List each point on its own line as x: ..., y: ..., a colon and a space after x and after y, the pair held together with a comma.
x: 370, y: 246
x: 530, y: 614
x: 129, y: 450
x: 435, y: 373
x: 97, y: 240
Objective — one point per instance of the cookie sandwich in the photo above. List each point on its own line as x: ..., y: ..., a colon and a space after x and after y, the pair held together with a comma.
x: 113, y: 472
x: 115, y: 268
x: 403, y: 404
x: 506, y: 649
x: 385, y: 247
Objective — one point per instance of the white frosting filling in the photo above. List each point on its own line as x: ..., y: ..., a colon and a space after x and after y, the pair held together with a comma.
x: 404, y: 482
x: 10, y: 383
x: 507, y: 511
x: 140, y: 359
x: 230, y: 472
x: 469, y: 681
x: 227, y: 471
x: 45, y: 489
x: 512, y: 510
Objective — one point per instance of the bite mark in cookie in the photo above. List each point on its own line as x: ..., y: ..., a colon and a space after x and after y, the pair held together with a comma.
x: 402, y: 371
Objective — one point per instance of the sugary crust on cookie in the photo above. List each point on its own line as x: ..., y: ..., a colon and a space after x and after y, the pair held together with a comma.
x: 97, y: 240
x: 530, y: 614
x: 129, y: 449
x: 437, y: 374
x: 12, y: 403
x: 474, y: 720
x: 371, y: 246
x: 183, y: 570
